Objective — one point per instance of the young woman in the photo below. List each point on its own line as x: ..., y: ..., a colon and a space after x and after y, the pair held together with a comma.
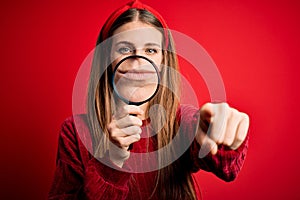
x: 97, y: 161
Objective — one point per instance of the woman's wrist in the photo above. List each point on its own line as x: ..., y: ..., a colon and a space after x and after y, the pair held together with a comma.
x: 118, y: 155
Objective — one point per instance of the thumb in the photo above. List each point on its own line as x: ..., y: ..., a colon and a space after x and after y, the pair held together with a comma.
x: 206, y: 114
x: 207, y: 145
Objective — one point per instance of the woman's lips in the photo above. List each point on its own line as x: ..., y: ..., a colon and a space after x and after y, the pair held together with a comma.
x: 138, y: 75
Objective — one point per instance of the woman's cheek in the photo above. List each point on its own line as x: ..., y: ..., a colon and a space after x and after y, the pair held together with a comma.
x: 158, y: 62
x: 115, y: 59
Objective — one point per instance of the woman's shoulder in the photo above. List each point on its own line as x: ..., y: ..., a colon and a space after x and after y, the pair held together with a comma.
x: 75, y: 128
x: 74, y: 121
x: 81, y: 118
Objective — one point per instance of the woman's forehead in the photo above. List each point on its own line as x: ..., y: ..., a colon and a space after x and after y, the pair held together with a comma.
x: 137, y: 33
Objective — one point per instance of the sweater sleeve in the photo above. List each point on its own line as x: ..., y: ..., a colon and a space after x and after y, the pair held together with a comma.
x: 226, y: 164
x: 78, y: 175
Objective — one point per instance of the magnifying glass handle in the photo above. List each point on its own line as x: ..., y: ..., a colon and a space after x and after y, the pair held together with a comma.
x: 131, y: 145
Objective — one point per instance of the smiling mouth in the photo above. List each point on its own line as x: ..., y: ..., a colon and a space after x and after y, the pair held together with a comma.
x: 137, y: 75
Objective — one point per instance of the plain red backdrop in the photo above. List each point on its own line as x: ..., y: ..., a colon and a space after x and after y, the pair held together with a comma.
x: 254, y: 43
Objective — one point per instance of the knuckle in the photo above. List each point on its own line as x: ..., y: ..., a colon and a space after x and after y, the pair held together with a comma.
x: 122, y: 142
x: 126, y: 107
x: 216, y: 138
x: 239, y: 139
x: 128, y: 142
x: 228, y: 141
x: 131, y: 118
x: 234, y: 115
x: 225, y: 105
x: 245, y: 117
x: 113, y: 134
x: 137, y: 136
x: 139, y: 130
x: 234, y: 112
x: 206, y: 106
x: 228, y: 111
x: 223, y: 111
x: 134, y: 129
x: 138, y: 121
x: 125, y: 110
x: 135, y: 120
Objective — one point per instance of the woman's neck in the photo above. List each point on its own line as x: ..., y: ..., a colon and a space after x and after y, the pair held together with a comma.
x: 144, y: 108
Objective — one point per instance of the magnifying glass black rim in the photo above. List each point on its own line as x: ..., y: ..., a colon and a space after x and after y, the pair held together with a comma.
x: 137, y: 103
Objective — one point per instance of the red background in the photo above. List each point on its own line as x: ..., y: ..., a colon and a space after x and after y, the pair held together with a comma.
x: 255, y: 44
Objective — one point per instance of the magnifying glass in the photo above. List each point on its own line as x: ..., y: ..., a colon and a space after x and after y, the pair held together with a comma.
x: 135, y: 80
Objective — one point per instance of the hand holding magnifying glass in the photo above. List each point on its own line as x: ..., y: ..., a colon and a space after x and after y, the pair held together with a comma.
x: 135, y: 81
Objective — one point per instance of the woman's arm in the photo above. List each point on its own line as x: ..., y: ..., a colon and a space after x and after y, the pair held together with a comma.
x: 225, y: 164
x: 222, y: 160
x: 80, y: 176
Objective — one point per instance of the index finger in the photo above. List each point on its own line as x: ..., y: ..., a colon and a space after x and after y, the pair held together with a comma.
x: 217, y: 118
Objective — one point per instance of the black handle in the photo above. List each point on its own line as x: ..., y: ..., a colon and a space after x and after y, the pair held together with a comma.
x: 131, y: 145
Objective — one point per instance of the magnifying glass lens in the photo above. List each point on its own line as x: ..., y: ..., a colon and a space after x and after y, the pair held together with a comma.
x: 135, y: 80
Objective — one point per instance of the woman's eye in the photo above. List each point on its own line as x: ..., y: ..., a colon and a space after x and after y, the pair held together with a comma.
x: 151, y: 51
x: 124, y: 50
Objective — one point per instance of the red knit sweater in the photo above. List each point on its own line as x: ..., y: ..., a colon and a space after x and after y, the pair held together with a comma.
x: 79, y: 175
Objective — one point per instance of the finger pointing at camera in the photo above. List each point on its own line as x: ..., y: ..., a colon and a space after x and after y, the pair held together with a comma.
x: 221, y: 124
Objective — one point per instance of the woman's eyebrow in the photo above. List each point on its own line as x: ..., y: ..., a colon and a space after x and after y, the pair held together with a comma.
x: 124, y: 42
x: 131, y: 44
x: 153, y: 44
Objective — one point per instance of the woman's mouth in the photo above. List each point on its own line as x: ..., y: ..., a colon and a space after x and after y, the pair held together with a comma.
x: 137, y: 75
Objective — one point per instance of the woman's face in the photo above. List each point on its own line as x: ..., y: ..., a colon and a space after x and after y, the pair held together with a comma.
x: 136, y: 38
x: 136, y: 78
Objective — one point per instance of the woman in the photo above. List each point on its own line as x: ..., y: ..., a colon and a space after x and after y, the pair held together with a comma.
x: 110, y: 127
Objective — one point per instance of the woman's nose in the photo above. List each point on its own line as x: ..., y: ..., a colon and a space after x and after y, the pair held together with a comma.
x: 137, y: 62
x: 139, y: 52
